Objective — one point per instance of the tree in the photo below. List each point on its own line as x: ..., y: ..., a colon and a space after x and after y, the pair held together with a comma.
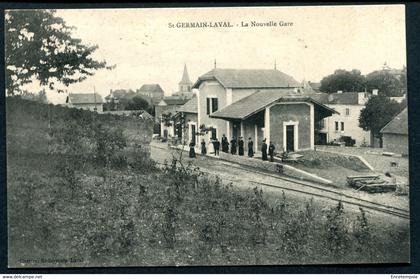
x: 110, y: 105
x: 378, y: 112
x: 389, y: 82
x: 137, y: 103
x: 167, y: 119
x: 40, y: 97
x: 39, y: 46
x: 350, y: 81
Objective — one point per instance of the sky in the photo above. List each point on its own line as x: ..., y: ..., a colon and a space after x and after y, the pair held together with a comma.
x: 321, y: 39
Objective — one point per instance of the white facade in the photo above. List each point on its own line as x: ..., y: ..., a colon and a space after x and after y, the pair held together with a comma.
x: 225, y: 96
x: 166, y: 131
x: 346, y: 124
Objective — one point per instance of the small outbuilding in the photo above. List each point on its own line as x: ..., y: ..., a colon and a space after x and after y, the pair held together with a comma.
x: 395, y: 134
x: 87, y: 101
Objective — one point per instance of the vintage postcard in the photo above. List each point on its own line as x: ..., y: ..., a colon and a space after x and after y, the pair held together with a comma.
x: 207, y: 136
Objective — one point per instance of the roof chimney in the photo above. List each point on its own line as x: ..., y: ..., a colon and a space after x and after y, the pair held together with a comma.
x: 375, y: 92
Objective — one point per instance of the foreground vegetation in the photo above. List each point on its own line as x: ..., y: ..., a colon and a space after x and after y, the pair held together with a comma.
x: 110, y: 205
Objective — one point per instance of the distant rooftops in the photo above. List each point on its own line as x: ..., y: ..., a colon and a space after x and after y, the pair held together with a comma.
x: 241, y: 78
x: 151, y: 88
x: 345, y: 98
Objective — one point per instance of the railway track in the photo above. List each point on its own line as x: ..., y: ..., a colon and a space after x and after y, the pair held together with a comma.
x: 338, y: 196
x: 320, y: 191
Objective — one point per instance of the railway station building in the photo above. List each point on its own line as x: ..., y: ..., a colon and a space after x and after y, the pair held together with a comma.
x: 256, y: 104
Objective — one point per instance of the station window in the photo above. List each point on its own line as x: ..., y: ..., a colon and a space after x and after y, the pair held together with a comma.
x: 212, y: 105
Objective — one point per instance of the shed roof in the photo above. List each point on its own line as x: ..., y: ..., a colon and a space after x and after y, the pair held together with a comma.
x: 398, y: 125
x: 345, y: 98
x: 256, y: 102
x: 190, y: 106
x: 84, y: 98
x: 247, y: 78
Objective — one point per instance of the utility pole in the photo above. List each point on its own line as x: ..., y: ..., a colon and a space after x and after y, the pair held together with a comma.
x: 94, y: 97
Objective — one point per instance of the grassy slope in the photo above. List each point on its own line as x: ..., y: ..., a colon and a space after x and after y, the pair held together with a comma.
x: 145, y: 216
x: 334, y: 167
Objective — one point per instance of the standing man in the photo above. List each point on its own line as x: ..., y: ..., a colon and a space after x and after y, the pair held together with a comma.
x: 233, y: 146
x: 241, y: 147
x: 225, y: 144
x: 271, y: 149
x: 216, y: 146
x: 264, y: 150
x: 250, y: 148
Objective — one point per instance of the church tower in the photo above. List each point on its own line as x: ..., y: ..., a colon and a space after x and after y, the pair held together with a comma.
x: 185, y: 85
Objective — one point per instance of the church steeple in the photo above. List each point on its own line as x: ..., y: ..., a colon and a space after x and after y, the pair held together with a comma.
x: 185, y: 78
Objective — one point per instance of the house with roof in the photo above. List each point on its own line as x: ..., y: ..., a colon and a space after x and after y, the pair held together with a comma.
x: 315, y: 86
x: 395, y: 134
x: 344, y: 126
x: 153, y: 93
x: 88, y: 101
x: 185, y: 117
x: 119, y: 98
x: 168, y: 106
x: 118, y: 94
x: 257, y: 104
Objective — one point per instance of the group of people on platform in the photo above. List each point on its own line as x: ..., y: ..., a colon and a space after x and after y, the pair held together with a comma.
x: 235, y: 146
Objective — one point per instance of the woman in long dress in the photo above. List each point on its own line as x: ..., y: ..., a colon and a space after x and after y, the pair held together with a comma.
x: 233, y: 146
x: 264, y: 150
x: 250, y: 148
x: 241, y: 147
x: 225, y: 144
x: 192, y: 149
x: 203, y: 147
